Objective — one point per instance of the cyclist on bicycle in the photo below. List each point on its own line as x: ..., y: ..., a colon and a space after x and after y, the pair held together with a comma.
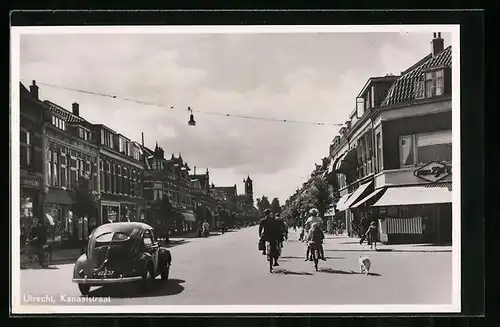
x: 309, y: 222
x: 37, y: 239
x: 316, y: 237
x: 270, y: 230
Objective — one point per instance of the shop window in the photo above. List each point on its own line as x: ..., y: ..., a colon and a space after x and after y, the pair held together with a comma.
x: 26, y: 155
x: 424, y: 148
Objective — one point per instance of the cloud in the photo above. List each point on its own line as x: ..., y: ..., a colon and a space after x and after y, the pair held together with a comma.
x: 305, y: 77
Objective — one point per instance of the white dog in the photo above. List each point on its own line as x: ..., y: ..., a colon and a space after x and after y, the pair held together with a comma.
x: 364, y: 264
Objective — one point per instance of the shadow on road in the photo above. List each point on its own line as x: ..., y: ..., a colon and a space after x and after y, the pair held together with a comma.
x: 158, y: 288
x: 343, y: 272
x: 288, y: 272
x: 40, y: 268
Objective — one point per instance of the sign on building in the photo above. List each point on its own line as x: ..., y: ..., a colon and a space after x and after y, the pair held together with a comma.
x: 433, y: 171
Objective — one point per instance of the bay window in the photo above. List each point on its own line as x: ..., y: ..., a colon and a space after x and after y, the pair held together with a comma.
x: 426, y: 147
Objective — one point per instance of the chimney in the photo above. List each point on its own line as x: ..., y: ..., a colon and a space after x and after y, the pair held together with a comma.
x: 142, y: 135
x: 34, y: 89
x: 437, y: 44
x: 76, y: 109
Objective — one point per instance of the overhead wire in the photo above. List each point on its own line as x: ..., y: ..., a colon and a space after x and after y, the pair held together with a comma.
x: 233, y: 115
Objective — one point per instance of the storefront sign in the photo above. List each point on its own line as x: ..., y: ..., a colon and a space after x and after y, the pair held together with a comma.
x: 433, y: 171
x: 29, y: 182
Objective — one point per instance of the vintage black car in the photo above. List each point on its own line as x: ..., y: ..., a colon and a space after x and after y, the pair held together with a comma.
x: 121, y: 252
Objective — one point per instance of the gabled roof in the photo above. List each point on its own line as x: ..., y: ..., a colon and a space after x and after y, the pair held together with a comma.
x: 403, y: 89
x: 65, y: 114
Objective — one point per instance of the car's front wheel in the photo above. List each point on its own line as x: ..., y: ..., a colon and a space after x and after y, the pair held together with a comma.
x: 84, y: 289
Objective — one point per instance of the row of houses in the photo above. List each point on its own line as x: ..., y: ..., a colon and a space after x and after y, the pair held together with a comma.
x: 391, y: 161
x: 58, y: 147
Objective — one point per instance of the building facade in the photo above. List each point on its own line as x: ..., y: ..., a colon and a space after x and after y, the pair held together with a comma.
x: 119, y: 175
x: 205, y: 204
x: 30, y: 156
x: 168, y: 180
x: 55, y: 153
x: 393, y: 161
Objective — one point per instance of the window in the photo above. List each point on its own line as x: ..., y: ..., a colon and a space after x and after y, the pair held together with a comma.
x: 434, y: 84
x: 406, y: 151
x: 106, y: 138
x: 119, y: 180
x: 102, y: 175
x: 84, y: 133
x: 73, y: 177
x: 59, y: 123
x: 125, y: 181
x: 26, y: 155
x: 373, y: 96
x: 137, y: 154
x: 147, y: 238
x: 424, y: 148
x: 360, y: 108
x: 64, y: 170
x: 379, y: 151
x: 435, y: 146
x: 94, y: 177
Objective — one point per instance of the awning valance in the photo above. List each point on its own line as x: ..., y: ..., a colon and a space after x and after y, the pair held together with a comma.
x: 415, y: 195
x: 341, y: 204
x: 59, y: 197
x: 368, y: 197
x: 188, y: 216
x: 356, y: 195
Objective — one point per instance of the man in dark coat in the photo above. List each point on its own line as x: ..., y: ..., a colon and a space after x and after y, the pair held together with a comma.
x: 270, y: 230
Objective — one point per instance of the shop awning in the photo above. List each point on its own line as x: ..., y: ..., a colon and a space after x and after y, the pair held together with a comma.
x: 341, y: 204
x: 368, y: 197
x: 188, y: 216
x: 356, y: 195
x: 416, y: 194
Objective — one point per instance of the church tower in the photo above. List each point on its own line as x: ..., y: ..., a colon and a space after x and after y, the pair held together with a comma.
x: 248, y: 186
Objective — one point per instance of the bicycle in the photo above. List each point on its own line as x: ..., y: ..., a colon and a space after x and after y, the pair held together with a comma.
x: 315, y: 247
x: 273, y: 250
x: 31, y: 259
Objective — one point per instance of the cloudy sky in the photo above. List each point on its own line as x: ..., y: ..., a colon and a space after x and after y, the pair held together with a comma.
x: 307, y: 77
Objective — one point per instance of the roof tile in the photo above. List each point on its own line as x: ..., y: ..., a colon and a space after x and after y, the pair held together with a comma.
x: 402, y: 90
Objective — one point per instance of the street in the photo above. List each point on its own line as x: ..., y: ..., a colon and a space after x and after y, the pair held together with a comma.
x: 228, y: 269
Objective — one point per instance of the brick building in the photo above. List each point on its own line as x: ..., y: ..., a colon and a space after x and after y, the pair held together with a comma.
x: 168, y: 178
x: 392, y: 160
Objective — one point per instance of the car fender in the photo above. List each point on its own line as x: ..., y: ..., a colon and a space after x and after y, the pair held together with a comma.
x: 81, y: 266
x: 146, y: 258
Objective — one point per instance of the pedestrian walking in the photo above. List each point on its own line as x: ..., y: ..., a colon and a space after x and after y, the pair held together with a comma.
x: 329, y: 225
x: 371, y: 234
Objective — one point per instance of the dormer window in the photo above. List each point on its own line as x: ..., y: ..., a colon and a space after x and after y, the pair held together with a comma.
x: 434, y: 84
x: 84, y: 133
x: 59, y: 123
x: 430, y: 84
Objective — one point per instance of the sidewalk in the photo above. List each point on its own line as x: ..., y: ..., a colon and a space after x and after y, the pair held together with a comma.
x: 344, y: 243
